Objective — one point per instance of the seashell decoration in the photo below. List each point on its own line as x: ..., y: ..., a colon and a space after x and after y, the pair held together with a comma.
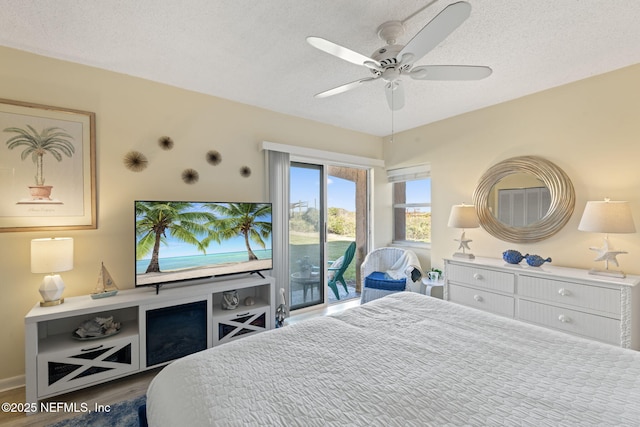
x: 96, y: 328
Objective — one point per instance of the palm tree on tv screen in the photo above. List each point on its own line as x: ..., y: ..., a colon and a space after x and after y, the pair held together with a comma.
x: 179, y: 219
x: 249, y: 220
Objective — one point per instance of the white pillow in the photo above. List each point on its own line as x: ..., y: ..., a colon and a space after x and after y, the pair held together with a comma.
x: 336, y: 264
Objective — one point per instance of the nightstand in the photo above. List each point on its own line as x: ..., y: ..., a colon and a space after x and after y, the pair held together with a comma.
x: 432, y: 288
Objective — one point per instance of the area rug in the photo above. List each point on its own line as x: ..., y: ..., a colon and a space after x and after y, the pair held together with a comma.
x: 121, y: 414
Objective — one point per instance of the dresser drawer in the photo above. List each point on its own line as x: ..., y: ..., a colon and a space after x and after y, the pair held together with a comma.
x: 570, y: 293
x: 483, y: 300
x: 481, y: 277
x: 576, y: 322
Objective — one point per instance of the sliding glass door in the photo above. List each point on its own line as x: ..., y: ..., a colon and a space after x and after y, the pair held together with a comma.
x: 327, y: 213
x: 306, y: 235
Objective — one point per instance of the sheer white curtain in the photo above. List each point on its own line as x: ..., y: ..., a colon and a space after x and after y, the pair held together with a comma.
x: 278, y: 177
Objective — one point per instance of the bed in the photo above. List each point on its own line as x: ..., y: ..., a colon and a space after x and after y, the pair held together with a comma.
x: 402, y: 360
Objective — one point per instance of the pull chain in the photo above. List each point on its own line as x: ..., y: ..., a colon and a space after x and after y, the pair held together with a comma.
x: 392, y: 110
x: 392, y: 124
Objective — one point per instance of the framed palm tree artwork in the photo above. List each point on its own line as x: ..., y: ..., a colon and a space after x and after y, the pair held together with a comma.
x: 47, y: 168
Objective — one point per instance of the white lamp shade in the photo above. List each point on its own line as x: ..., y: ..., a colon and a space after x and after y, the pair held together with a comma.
x: 51, y: 255
x: 607, y: 217
x: 463, y: 216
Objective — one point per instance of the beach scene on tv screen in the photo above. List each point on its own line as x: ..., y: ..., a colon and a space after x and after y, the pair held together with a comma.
x: 178, y: 241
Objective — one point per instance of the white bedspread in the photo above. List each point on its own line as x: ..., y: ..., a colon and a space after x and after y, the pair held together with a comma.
x: 403, y: 360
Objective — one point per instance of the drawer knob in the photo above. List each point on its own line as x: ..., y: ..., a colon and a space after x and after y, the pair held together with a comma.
x: 477, y: 276
x: 564, y: 292
x: 564, y: 319
x: 477, y: 298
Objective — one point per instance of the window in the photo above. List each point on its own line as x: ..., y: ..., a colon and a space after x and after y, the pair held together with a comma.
x: 411, y: 204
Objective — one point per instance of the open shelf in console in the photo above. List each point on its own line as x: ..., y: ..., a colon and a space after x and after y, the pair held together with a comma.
x: 58, y: 333
x: 259, y: 293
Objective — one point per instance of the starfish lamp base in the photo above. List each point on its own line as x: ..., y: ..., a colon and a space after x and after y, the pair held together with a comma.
x: 464, y: 255
x: 608, y: 273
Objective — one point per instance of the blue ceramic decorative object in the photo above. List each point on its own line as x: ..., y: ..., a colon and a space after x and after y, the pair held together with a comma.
x: 536, y: 260
x: 512, y: 256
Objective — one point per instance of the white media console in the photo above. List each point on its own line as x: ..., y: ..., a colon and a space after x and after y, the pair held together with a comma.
x: 155, y: 329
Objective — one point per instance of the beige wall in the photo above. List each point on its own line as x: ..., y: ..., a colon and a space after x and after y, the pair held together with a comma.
x: 590, y: 129
x: 132, y: 114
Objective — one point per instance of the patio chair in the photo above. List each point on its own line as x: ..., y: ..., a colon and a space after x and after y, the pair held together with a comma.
x: 338, y: 267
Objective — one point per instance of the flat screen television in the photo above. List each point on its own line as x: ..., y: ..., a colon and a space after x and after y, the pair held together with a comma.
x: 182, y: 241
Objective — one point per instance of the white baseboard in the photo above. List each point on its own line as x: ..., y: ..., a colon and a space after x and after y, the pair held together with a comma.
x: 11, y: 383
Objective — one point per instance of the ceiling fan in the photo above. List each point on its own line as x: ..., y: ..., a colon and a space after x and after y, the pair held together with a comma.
x: 394, y: 61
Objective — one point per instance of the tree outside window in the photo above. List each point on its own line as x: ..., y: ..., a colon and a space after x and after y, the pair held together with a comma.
x: 412, y: 211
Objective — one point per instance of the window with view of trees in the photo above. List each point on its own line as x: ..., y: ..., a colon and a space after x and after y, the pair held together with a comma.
x: 412, y: 211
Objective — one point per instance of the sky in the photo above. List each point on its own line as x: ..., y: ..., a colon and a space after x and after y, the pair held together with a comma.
x: 341, y: 193
x: 304, y: 185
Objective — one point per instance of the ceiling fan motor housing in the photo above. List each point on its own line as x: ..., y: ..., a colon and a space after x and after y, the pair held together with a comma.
x: 388, y: 57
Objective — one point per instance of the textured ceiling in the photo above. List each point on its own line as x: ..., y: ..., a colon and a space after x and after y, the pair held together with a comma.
x: 254, y: 51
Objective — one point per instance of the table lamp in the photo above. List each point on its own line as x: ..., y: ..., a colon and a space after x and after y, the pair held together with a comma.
x: 607, y: 217
x: 51, y: 255
x: 463, y: 216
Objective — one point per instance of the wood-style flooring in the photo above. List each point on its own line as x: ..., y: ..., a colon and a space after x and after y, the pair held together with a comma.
x: 117, y: 390
x: 104, y: 394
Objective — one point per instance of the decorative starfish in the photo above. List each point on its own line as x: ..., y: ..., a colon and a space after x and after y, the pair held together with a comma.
x: 606, y: 254
x: 464, y: 242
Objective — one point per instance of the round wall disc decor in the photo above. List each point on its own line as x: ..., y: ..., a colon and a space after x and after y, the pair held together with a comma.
x: 190, y: 176
x: 213, y: 157
x: 135, y: 161
x: 165, y: 142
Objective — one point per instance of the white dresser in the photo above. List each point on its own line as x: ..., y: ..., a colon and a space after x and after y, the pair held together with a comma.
x: 566, y: 299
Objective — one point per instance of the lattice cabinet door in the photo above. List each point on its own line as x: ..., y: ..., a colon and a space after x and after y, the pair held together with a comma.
x: 237, y: 324
x: 86, y: 363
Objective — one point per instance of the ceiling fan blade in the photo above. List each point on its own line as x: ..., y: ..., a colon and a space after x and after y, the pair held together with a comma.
x: 450, y: 72
x: 343, y: 88
x: 395, y: 94
x: 437, y: 30
x: 343, y: 52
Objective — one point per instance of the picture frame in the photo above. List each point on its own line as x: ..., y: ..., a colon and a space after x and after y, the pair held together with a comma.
x: 47, y: 168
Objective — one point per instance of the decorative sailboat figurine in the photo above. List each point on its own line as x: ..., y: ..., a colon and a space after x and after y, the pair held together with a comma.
x: 105, y: 287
